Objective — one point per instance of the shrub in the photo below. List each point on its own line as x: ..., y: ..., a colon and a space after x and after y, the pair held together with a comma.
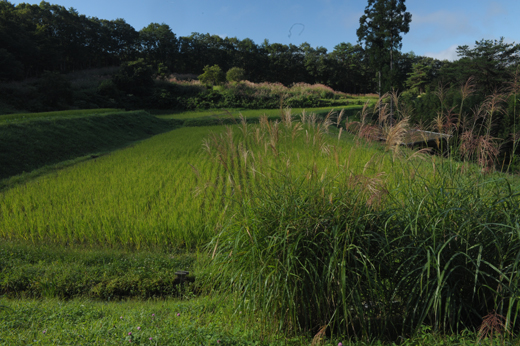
x: 236, y: 74
x: 109, y: 89
x: 212, y: 75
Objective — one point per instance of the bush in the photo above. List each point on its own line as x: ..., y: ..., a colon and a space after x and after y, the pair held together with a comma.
x: 236, y: 74
x: 11, y: 69
x: 109, y: 89
x: 212, y: 75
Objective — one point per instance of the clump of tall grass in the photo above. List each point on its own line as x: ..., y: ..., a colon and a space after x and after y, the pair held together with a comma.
x: 373, y: 248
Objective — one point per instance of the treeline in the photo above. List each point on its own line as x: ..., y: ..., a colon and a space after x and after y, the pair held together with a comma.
x: 45, y: 37
x: 35, y: 39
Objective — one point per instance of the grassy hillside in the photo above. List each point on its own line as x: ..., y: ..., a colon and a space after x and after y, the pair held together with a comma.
x: 23, y: 117
x: 26, y: 145
x: 313, y: 230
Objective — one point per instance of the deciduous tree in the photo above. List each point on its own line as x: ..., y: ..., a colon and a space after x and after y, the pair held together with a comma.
x: 212, y: 75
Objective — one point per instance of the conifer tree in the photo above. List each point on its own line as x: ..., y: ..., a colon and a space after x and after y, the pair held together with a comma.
x: 380, y: 29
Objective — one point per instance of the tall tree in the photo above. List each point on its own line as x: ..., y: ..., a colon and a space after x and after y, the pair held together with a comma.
x: 380, y: 29
x: 350, y: 69
x: 159, y: 45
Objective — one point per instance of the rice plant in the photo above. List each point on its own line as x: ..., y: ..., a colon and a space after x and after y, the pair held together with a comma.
x: 141, y: 196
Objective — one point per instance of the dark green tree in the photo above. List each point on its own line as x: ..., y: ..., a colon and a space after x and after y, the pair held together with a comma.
x: 315, y: 64
x: 10, y: 68
x: 380, y: 29
x: 159, y: 45
x: 212, y: 75
x: 134, y: 77
x: 55, y: 89
x: 490, y: 62
x: 350, y: 69
x: 419, y: 77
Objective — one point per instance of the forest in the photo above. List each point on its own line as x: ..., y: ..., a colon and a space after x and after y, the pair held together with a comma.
x: 46, y: 37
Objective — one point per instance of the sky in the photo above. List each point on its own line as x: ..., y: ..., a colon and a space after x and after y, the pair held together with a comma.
x: 437, y: 27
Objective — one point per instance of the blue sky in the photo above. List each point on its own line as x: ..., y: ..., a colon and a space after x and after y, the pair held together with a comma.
x: 437, y: 28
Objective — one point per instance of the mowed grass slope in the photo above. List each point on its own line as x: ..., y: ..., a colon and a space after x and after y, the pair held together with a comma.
x: 22, y: 117
x: 29, y: 145
x: 254, y: 113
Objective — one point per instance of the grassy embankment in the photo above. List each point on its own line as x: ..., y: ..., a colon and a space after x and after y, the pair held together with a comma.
x: 305, y: 179
x: 31, y: 142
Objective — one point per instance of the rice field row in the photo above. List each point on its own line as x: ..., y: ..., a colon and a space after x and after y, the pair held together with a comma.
x: 141, y: 195
x: 172, y: 190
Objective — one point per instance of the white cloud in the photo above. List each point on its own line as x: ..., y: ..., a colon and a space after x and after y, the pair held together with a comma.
x: 447, y: 54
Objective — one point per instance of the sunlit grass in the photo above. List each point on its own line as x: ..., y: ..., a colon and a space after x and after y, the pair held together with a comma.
x: 162, y: 192
x: 18, y: 117
x: 144, y: 195
x: 197, y: 321
x: 370, y: 240
x: 311, y: 225
x: 248, y: 113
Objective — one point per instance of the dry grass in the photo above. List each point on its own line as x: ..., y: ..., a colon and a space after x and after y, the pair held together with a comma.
x: 493, y: 324
x: 464, y: 136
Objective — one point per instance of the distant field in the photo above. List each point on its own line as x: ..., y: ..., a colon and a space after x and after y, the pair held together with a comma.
x: 17, y: 117
x: 251, y: 112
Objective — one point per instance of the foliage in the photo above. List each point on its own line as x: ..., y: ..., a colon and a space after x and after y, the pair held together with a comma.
x: 54, y: 88
x: 380, y: 28
x: 419, y: 77
x: 235, y: 74
x: 490, y: 63
x: 42, y: 271
x: 160, y: 46
x: 134, y: 77
x: 15, y: 70
x: 212, y: 75
x: 65, y: 41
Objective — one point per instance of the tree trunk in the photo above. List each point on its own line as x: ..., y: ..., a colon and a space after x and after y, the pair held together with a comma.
x: 392, y: 85
x: 379, y: 92
x: 391, y: 79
